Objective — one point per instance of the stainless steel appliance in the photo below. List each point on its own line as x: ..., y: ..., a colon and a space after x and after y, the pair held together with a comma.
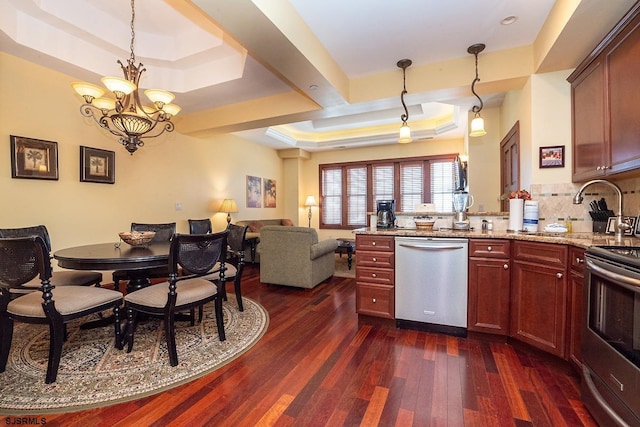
x: 386, y: 213
x: 462, y: 201
x: 431, y: 284
x: 611, y: 335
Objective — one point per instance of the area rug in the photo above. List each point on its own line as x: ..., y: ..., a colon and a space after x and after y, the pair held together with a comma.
x: 342, y: 269
x: 94, y: 373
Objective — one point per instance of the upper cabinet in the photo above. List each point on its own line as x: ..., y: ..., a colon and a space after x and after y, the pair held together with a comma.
x: 605, y: 89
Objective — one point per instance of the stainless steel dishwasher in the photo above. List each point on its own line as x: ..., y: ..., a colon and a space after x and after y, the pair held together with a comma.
x: 431, y: 283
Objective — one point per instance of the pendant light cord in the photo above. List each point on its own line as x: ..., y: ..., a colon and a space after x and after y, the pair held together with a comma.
x: 132, y: 59
x: 404, y: 64
x: 475, y: 108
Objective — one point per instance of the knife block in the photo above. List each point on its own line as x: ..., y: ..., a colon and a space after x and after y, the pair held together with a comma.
x: 600, y: 226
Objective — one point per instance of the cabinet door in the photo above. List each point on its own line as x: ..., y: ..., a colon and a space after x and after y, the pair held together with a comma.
x: 539, y: 306
x: 624, y: 92
x: 590, y: 142
x: 489, y: 289
x: 575, y: 318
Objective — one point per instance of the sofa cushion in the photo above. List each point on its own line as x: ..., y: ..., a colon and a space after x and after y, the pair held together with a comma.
x: 255, y: 226
x: 287, y: 222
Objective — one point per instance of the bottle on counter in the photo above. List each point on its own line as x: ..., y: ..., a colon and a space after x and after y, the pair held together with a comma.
x: 567, y: 223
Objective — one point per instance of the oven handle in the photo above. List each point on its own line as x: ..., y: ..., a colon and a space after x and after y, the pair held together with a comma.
x: 627, y: 282
x: 586, y: 374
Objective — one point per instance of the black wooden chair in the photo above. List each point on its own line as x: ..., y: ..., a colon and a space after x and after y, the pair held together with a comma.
x: 197, y: 254
x: 235, y: 261
x: 164, y: 233
x: 25, y: 258
x: 59, y: 278
x: 200, y: 226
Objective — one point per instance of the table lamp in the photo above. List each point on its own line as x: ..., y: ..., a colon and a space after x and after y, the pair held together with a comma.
x: 311, y: 201
x: 228, y: 206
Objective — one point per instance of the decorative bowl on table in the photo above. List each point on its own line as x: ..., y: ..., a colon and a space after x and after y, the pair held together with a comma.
x: 137, y: 238
x: 424, y: 224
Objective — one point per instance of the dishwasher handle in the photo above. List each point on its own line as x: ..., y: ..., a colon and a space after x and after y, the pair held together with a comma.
x: 430, y: 248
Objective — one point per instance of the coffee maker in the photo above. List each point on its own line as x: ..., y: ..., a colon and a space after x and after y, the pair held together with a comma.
x: 462, y: 201
x: 385, y: 211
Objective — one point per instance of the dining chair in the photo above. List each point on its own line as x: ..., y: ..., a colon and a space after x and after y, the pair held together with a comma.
x: 164, y: 233
x: 197, y: 254
x: 200, y: 226
x: 236, y: 244
x: 59, y: 278
x: 24, y: 259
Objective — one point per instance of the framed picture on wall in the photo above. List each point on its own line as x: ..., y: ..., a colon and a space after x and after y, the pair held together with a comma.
x: 254, y: 191
x: 269, y: 193
x: 97, y: 165
x: 552, y: 157
x: 33, y: 158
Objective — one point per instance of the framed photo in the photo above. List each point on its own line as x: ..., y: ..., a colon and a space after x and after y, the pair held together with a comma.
x: 33, y: 158
x: 552, y: 157
x: 611, y: 225
x: 97, y: 165
x: 254, y: 191
x: 269, y: 193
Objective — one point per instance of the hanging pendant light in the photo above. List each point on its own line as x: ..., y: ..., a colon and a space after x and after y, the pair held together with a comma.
x: 477, y: 124
x: 125, y: 116
x: 405, y: 131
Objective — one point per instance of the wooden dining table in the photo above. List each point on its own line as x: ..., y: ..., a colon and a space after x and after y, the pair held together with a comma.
x: 116, y: 256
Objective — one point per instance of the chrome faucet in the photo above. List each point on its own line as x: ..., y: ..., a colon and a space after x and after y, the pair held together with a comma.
x: 621, y: 226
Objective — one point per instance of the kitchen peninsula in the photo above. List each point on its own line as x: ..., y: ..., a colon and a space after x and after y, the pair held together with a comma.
x: 526, y: 286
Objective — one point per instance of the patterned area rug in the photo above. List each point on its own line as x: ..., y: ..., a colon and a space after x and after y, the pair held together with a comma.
x: 94, y: 373
x: 342, y: 269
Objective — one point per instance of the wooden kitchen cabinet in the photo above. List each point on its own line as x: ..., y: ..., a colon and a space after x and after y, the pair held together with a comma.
x: 576, y: 284
x: 489, y: 286
x: 375, y: 275
x: 604, y: 94
x: 539, y: 295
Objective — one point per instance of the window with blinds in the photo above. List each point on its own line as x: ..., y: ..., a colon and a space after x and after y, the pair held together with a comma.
x: 350, y: 190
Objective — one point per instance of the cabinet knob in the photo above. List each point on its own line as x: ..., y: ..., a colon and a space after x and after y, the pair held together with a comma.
x: 506, y: 266
x: 373, y: 243
x: 373, y: 275
x: 579, y: 260
x: 489, y: 248
x: 373, y: 300
x: 375, y: 259
x: 559, y: 275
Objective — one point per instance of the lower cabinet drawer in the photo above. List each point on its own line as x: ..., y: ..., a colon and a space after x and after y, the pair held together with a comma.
x: 384, y: 276
x: 375, y: 300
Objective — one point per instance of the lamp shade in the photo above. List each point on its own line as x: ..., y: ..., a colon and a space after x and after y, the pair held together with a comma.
x: 118, y: 85
x: 311, y: 201
x: 228, y: 205
x: 477, y: 126
x: 87, y: 90
x: 159, y: 96
x: 405, y: 134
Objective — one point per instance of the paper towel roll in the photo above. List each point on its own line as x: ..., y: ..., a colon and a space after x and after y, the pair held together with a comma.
x: 516, y: 212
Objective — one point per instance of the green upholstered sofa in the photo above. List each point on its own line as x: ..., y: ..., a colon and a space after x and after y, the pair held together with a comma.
x: 293, y: 256
x: 253, y: 234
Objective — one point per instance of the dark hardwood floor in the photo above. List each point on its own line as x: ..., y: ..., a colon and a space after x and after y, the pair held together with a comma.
x: 319, y: 365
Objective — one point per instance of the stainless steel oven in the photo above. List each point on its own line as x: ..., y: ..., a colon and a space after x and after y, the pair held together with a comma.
x: 611, y: 335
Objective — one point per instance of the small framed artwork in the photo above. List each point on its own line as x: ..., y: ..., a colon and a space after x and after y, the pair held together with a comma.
x: 97, y: 165
x: 552, y: 157
x: 269, y: 193
x: 636, y: 232
x: 611, y: 225
x: 254, y: 191
x: 33, y: 158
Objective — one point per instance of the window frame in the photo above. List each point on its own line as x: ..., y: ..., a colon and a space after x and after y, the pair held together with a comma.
x: 368, y: 164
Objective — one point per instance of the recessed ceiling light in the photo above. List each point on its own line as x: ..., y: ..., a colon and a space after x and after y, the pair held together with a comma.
x: 313, y: 87
x: 509, y: 20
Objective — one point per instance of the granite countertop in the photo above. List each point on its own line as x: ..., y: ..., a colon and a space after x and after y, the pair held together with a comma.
x: 582, y: 240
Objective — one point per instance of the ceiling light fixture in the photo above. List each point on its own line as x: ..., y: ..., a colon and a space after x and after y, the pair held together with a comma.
x: 405, y: 131
x: 477, y: 124
x: 125, y: 116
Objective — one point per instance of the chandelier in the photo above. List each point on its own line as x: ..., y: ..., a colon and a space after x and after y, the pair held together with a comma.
x: 405, y: 131
x: 477, y: 124
x: 125, y: 116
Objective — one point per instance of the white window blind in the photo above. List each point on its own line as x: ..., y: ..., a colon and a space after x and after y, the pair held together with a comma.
x: 411, y: 186
x: 332, y: 196
x: 382, y: 183
x: 442, y: 186
x: 357, y: 196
